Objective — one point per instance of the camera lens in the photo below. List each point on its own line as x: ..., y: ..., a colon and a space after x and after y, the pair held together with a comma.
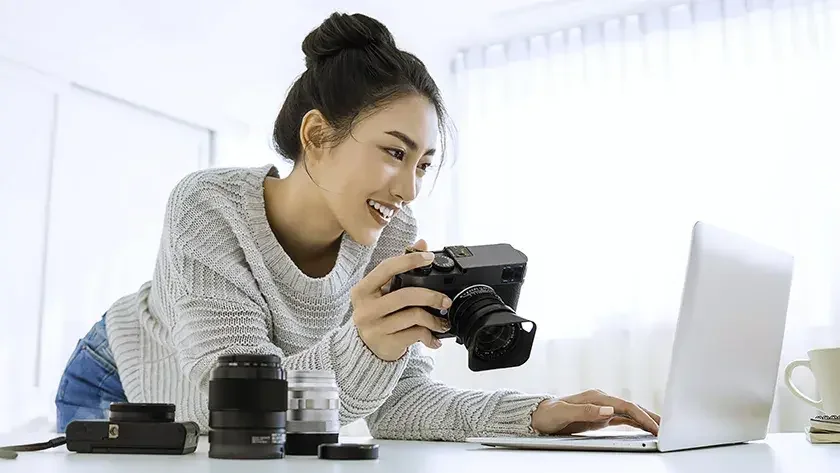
x: 473, y: 314
x: 248, y: 402
x: 492, y: 342
x: 312, y: 418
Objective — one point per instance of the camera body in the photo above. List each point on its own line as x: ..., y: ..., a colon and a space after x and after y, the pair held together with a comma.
x: 483, y: 282
x: 136, y: 429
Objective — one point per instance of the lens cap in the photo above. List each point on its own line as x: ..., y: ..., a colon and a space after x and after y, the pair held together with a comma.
x: 348, y: 451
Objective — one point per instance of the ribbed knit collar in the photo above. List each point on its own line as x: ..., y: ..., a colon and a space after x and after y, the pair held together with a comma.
x: 352, y: 256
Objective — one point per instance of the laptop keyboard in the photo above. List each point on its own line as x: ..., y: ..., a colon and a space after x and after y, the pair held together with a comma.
x: 615, y: 437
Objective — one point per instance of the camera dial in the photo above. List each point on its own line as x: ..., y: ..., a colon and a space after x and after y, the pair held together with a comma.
x: 443, y: 263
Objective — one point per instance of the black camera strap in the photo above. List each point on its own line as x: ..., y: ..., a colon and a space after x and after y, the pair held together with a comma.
x: 10, y: 452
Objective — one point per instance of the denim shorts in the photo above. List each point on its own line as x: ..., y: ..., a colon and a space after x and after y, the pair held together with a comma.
x: 90, y: 382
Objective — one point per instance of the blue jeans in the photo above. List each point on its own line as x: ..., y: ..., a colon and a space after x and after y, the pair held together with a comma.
x: 90, y: 382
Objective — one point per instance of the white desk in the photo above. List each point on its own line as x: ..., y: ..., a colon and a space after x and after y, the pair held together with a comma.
x: 780, y: 453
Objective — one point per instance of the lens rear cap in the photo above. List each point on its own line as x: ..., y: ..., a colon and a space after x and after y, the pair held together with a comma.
x: 348, y: 451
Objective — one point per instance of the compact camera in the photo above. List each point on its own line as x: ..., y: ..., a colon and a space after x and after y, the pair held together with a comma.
x: 483, y: 282
x: 134, y: 428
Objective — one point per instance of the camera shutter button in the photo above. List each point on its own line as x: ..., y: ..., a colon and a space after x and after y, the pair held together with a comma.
x: 443, y: 263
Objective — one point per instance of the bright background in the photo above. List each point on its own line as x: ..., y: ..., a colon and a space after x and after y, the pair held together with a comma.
x: 591, y: 135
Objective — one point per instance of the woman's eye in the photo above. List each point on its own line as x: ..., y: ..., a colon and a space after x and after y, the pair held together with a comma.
x: 396, y: 153
x: 425, y: 166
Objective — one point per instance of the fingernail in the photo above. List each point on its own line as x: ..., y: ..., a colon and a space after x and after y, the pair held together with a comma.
x: 428, y: 256
x: 606, y: 410
x: 436, y: 343
x: 444, y: 326
x: 446, y: 303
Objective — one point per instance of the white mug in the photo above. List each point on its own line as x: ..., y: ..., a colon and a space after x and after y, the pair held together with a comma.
x: 824, y: 364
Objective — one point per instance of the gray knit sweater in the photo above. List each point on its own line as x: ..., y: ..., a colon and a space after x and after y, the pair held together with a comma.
x: 222, y: 284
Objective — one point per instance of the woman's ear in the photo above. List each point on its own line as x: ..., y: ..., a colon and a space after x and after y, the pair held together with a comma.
x: 313, y: 132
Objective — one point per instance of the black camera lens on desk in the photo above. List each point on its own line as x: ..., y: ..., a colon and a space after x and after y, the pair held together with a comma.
x: 248, y: 401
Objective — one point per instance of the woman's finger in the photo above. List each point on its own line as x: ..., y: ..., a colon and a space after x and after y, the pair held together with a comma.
x: 570, y: 412
x: 412, y: 296
x: 597, y: 396
x: 624, y: 420
x: 387, y: 269
x: 419, y: 246
x: 410, y: 317
x: 584, y: 397
x: 653, y: 415
x: 633, y: 411
x: 406, y: 338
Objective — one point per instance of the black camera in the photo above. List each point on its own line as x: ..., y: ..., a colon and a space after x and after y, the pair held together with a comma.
x: 483, y: 282
x: 134, y: 428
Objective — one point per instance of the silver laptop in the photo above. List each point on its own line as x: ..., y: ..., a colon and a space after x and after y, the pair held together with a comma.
x: 725, y: 355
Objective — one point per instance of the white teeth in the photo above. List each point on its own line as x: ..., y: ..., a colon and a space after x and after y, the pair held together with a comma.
x: 384, y: 211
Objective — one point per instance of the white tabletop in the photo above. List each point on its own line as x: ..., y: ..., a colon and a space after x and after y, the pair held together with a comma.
x: 780, y: 453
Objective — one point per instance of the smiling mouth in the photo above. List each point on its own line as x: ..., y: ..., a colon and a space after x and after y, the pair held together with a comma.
x: 383, y: 211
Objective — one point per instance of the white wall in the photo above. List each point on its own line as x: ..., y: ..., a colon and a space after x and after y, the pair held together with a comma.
x: 85, y: 181
x: 25, y: 150
x: 113, y: 167
x: 85, y: 175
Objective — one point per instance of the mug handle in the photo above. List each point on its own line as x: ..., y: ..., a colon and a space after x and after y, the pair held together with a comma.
x: 793, y: 389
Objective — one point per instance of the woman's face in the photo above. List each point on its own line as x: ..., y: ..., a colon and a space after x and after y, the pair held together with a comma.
x: 379, y: 168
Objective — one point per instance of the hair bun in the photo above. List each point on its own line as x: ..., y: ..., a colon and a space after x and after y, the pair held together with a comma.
x: 342, y: 31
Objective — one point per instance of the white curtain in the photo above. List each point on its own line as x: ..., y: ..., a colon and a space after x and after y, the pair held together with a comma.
x: 595, y: 148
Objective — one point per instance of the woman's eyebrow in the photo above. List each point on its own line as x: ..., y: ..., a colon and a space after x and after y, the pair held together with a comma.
x: 412, y: 145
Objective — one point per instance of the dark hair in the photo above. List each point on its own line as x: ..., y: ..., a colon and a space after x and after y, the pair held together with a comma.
x: 352, y: 66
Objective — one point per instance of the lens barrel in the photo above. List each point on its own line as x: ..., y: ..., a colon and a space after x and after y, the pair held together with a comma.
x: 471, y: 310
x: 248, y: 400
x: 312, y: 417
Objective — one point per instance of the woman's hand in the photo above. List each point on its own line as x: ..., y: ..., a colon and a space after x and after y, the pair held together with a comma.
x: 390, y: 322
x: 590, y: 410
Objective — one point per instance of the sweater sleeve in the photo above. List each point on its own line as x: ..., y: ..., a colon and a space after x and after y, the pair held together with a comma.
x: 223, y: 320
x: 421, y: 408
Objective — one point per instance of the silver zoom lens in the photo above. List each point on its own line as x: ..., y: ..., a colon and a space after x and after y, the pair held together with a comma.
x: 312, y: 416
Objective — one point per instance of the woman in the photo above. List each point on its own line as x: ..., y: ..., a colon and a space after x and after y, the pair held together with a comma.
x: 253, y: 263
